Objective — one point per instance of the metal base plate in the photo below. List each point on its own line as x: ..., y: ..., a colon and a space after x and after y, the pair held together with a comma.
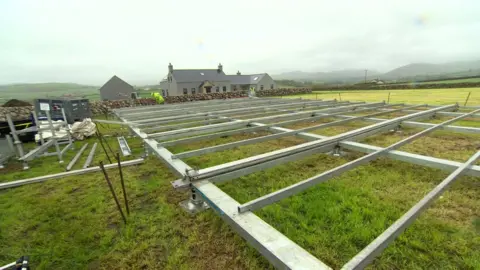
x: 337, y: 153
x: 192, y: 207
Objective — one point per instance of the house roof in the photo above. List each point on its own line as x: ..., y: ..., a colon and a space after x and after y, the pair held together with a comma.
x: 198, y: 75
x: 245, y: 79
x: 115, y: 81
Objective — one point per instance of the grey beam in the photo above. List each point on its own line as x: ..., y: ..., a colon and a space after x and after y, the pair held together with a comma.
x: 427, y: 161
x: 303, y: 185
x: 183, y: 125
x: 366, y: 256
x: 242, y: 123
x: 268, y: 137
x: 90, y: 156
x: 38, y: 150
x: 459, y: 129
x: 282, y: 252
x: 234, y: 165
x: 65, y: 174
x: 76, y: 157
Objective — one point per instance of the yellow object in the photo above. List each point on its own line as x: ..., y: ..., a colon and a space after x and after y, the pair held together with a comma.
x: 158, y: 98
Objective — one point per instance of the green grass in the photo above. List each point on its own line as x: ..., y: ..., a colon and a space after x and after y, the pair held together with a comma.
x: 72, y: 223
x: 469, y: 80
x: 419, y: 96
x: 28, y: 92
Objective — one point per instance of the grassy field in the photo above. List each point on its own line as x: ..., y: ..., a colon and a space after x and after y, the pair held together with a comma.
x: 28, y: 92
x: 469, y: 80
x: 430, y: 96
x: 72, y: 223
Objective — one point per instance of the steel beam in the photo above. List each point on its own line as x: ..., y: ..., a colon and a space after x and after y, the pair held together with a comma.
x: 235, y: 165
x: 303, y: 185
x: 241, y: 123
x: 90, y: 156
x: 76, y: 157
x: 38, y: 150
x: 220, y: 109
x: 277, y: 248
x: 459, y: 129
x: 268, y: 137
x: 282, y: 252
x: 64, y: 174
x: 366, y: 256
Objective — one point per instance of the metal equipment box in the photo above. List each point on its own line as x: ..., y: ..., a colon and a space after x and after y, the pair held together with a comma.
x: 75, y: 109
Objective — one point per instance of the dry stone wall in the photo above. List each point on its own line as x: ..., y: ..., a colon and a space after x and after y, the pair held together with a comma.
x: 103, y: 107
x: 17, y: 113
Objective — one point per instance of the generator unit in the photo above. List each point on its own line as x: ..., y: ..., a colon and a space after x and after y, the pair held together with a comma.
x: 75, y: 109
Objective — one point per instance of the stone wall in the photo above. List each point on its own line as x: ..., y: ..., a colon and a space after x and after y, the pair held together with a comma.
x: 17, y: 113
x: 102, y: 107
x: 283, y: 92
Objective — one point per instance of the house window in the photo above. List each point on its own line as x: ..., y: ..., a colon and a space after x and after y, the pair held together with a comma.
x: 185, y: 91
x: 193, y: 91
x: 167, y: 93
x: 234, y: 88
x: 261, y: 87
x: 271, y: 86
x: 217, y: 89
x: 224, y: 89
x: 209, y: 89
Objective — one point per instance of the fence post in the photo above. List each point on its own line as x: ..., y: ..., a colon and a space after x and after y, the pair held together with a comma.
x: 388, y: 98
x: 467, y: 99
x: 340, y: 96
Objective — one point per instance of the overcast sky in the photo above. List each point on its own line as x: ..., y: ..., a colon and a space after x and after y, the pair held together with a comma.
x: 87, y: 41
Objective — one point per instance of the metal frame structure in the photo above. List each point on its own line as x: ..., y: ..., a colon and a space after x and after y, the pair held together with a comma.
x: 40, y: 150
x: 190, y: 122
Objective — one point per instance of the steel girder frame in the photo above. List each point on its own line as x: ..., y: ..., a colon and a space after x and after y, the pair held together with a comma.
x: 245, y: 222
x: 299, y: 187
x: 243, y: 123
x: 276, y: 247
x: 257, y: 232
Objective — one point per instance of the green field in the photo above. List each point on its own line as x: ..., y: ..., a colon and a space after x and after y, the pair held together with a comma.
x: 72, y: 223
x: 28, y: 92
x: 469, y: 80
x: 418, y: 96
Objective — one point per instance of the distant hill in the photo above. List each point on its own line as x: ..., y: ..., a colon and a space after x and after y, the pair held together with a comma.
x: 410, y: 72
x: 423, y: 71
x: 31, y: 91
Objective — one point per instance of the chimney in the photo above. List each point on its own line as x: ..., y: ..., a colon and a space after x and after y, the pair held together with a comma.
x: 238, y: 73
x: 170, y: 68
x: 220, y: 67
